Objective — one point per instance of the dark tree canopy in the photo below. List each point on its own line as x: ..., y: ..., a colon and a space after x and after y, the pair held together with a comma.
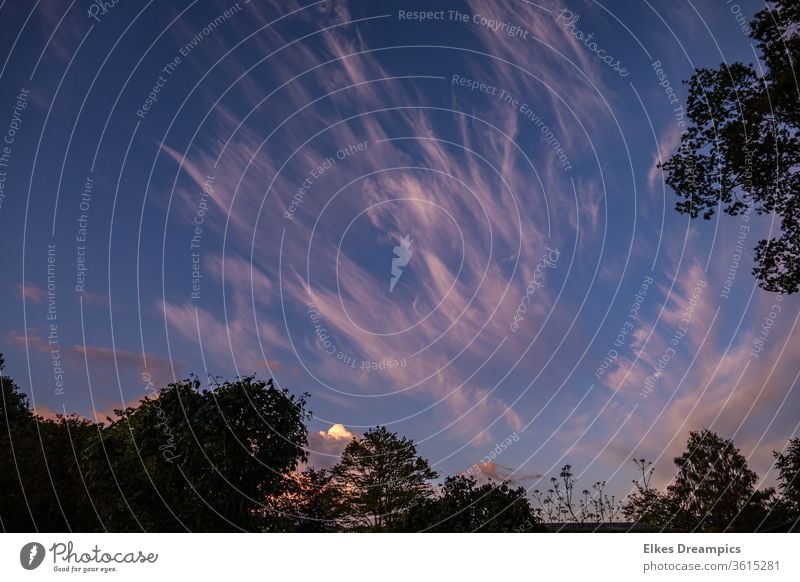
x: 309, y: 503
x: 231, y: 457
x: 788, y: 465
x: 713, y: 490
x: 647, y: 505
x: 713, y: 484
x: 198, y: 460
x: 465, y: 507
x: 741, y: 151
x: 40, y: 485
x: 381, y: 477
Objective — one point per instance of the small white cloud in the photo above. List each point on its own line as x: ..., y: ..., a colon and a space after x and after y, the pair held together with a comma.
x: 325, y: 447
x: 337, y: 432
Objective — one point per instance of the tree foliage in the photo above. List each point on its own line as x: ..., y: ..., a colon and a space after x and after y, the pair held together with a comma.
x: 713, y: 490
x: 230, y: 458
x: 198, y: 460
x: 381, y: 477
x: 647, y: 505
x: 788, y: 465
x: 39, y: 471
x: 464, y: 506
x: 184, y: 459
x: 309, y: 503
x: 741, y: 150
x: 713, y: 484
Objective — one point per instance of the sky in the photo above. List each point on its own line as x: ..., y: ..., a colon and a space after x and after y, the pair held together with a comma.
x: 442, y: 217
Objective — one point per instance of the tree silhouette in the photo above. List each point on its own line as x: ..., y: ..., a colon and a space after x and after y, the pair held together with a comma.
x: 647, y: 505
x: 310, y: 503
x: 713, y: 490
x: 40, y: 479
x: 713, y: 485
x: 381, y: 477
x: 741, y: 151
x: 788, y: 465
x: 227, y: 458
x: 17, y: 426
x: 198, y: 460
x: 463, y: 506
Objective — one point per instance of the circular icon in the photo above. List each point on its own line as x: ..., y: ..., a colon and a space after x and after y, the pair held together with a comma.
x: 31, y: 555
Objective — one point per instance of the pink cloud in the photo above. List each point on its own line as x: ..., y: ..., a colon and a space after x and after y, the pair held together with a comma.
x: 31, y: 292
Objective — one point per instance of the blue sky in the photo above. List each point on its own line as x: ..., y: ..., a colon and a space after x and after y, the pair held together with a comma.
x: 253, y: 166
